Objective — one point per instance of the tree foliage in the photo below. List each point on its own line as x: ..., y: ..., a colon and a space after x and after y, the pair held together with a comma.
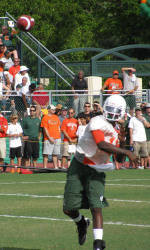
x: 88, y: 23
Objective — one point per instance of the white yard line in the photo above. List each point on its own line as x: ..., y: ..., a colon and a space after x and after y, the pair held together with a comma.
x: 119, y: 223
x: 63, y: 182
x: 31, y: 182
x: 128, y: 179
x: 61, y: 197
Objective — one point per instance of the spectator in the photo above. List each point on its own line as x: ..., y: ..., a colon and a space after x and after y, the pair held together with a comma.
x: 13, y: 107
x: 82, y: 127
x: 51, y: 127
x: 3, y: 130
x: 143, y: 107
x: 130, y: 86
x: 14, y: 133
x: 79, y: 83
x: 87, y: 111
x: 19, y: 104
x: 58, y: 109
x: 13, y: 70
x: 69, y: 128
x: 22, y: 73
x: 62, y: 117
x: 113, y: 84
x: 7, y: 37
x: 40, y: 97
x: 31, y: 131
x: 25, y: 92
x: 8, y: 60
x: 2, y: 50
x: 97, y: 109
x: 147, y: 129
x: 138, y: 137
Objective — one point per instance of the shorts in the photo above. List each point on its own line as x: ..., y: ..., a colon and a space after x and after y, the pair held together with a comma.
x: 52, y: 148
x: 140, y: 149
x: 84, y: 188
x: 2, y: 148
x: 31, y: 149
x: 148, y: 148
x: 15, y: 152
x: 65, y: 150
x: 130, y: 101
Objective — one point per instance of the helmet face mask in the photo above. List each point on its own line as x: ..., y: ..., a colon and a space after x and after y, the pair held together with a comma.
x: 114, y: 108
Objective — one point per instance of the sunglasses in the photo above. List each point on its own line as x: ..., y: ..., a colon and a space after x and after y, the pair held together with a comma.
x: 87, y: 106
x: 71, y: 112
x: 32, y: 110
x: 15, y: 118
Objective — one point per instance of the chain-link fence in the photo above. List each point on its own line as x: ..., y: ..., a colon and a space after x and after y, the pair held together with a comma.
x: 14, y: 102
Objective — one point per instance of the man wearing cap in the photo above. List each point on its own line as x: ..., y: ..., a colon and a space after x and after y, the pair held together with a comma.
x: 147, y: 129
x: 3, y: 130
x: 52, y: 139
x: 138, y: 137
x: 22, y: 73
x: 113, y: 84
x: 130, y: 83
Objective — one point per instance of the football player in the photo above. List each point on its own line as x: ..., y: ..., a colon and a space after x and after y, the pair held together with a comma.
x: 86, y: 178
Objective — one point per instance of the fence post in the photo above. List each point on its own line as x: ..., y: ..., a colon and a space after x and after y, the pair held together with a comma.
x: 101, y: 98
x: 50, y: 96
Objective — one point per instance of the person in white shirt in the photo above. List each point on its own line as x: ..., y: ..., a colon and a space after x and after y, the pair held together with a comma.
x: 138, y: 137
x: 22, y: 73
x: 82, y: 126
x: 14, y: 133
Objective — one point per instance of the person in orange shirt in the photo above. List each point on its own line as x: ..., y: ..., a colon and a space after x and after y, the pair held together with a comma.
x: 113, y: 84
x: 13, y: 70
x: 51, y: 128
x: 69, y: 128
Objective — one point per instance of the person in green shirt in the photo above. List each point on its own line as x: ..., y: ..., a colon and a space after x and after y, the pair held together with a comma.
x: 31, y: 131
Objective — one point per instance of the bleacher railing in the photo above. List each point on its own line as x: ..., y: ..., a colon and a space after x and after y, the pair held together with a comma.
x: 40, y: 51
x: 64, y: 97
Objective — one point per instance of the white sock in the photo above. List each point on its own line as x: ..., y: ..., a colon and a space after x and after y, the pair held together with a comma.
x: 78, y: 218
x: 98, y: 233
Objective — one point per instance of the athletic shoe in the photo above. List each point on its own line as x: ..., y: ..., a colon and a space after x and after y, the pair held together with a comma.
x: 140, y: 167
x: 99, y: 245
x: 82, y: 226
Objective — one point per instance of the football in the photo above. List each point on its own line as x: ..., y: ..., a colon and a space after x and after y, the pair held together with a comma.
x: 25, y: 23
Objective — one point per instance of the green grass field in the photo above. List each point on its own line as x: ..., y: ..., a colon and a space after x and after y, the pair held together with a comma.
x: 31, y: 214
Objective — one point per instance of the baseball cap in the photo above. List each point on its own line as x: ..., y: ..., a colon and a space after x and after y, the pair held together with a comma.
x: 138, y: 108
x: 23, y: 68
x: 51, y: 106
x: 3, y: 60
x: 115, y: 72
x: 147, y: 105
x: 59, y: 106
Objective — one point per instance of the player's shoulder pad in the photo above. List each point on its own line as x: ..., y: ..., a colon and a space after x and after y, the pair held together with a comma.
x: 98, y: 123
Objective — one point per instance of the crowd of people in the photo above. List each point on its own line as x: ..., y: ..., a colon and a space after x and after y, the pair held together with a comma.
x: 60, y: 130
x: 32, y: 115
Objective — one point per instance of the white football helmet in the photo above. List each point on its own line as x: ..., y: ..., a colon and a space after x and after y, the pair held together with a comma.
x: 114, y: 108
